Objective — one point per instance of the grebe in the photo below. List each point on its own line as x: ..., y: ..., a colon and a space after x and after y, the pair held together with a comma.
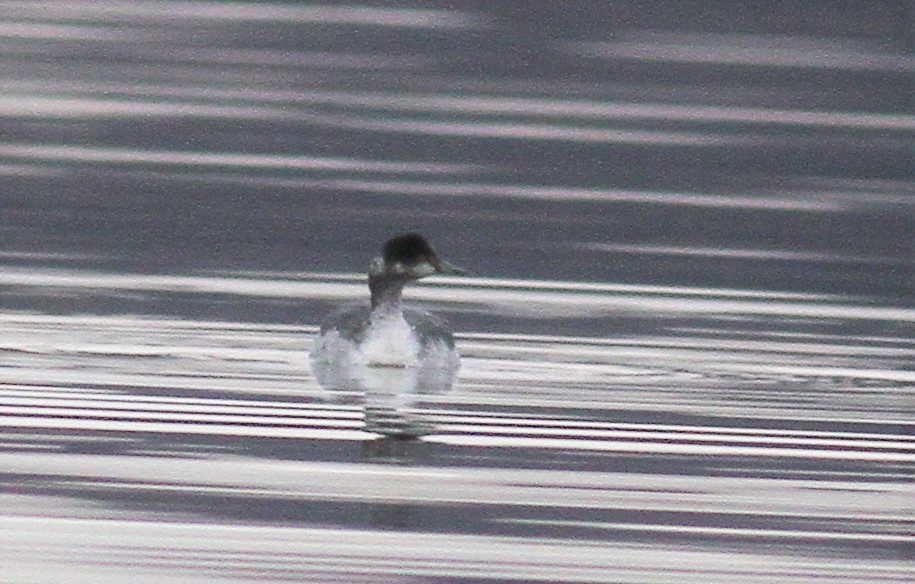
x: 384, y: 333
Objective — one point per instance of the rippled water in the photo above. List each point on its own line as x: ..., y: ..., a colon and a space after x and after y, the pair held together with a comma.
x: 687, y: 352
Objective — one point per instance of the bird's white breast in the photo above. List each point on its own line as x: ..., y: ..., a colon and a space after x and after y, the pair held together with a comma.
x: 390, y: 342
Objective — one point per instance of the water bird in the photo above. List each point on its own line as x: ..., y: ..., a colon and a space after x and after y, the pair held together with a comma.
x: 385, y: 333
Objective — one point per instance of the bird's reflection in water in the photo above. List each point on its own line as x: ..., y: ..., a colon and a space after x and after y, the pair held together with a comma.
x: 391, y: 394
x: 391, y: 398
x: 394, y: 450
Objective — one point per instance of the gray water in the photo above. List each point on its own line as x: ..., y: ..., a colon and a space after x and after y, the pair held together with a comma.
x: 687, y: 346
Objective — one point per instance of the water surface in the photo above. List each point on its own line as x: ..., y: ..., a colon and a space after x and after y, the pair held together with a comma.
x: 687, y: 350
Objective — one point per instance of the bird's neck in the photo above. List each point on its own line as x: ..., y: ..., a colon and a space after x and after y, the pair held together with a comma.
x: 386, y: 291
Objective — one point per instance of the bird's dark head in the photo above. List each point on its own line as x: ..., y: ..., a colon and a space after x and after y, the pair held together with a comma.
x: 410, y: 257
x: 404, y: 258
x: 408, y: 250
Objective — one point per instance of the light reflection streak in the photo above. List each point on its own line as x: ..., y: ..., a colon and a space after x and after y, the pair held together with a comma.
x: 660, y: 397
x: 489, y: 105
x: 79, y: 108
x: 37, y: 394
x: 346, y: 286
x: 898, y: 341
x: 560, y: 193
x: 594, y: 348
x: 543, y: 303
x: 167, y: 552
x: 746, y: 50
x: 719, y: 531
x: 120, y: 404
x: 525, y: 420
x: 807, y: 201
x: 154, y: 419
x: 174, y: 57
x: 820, y: 202
x: 33, y: 30
x: 137, y: 373
x: 17, y: 414
x: 317, y: 432
x: 531, y: 131
x: 645, y: 448
x: 35, y: 401
x: 754, y: 254
x: 48, y: 256
x: 336, y: 61
x: 71, y: 153
x: 33, y: 106
x: 145, y: 11
x: 21, y: 170
x: 484, y: 486
x: 480, y: 104
x: 899, y: 375
x: 553, y: 285
x: 520, y: 428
